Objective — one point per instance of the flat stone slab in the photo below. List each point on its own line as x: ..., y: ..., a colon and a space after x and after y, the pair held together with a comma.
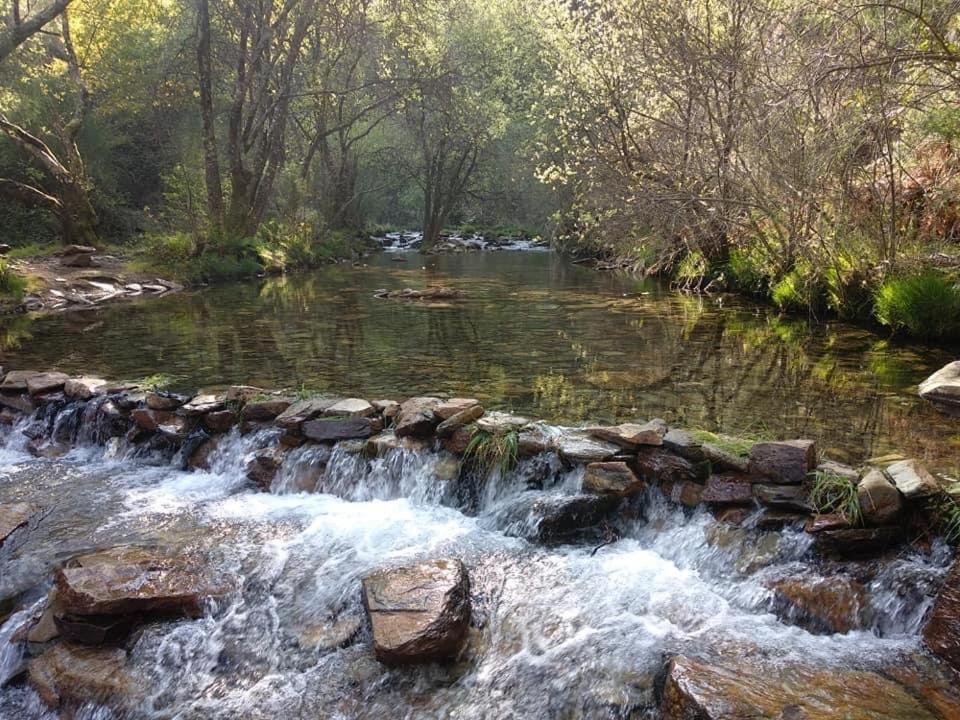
x: 912, y: 479
x: 301, y: 411
x: 265, y: 410
x: 84, y: 388
x: 419, y: 613
x: 727, y: 490
x: 351, y: 407
x: 46, y: 382
x: 578, y: 447
x: 70, y: 674
x: 943, y: 388
x: 612, y: 478
x: 448, y: 408
x: 632, y: 435
x: 334, y: 429
x: 203, y: 404
x: 499, y: 423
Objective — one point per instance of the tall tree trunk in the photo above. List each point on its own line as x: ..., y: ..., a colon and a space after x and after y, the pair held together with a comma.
x: 211, y: 162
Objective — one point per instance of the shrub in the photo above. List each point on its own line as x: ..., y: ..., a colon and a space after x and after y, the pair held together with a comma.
x: 925, y: 304
x: 799, y: 289
x: 835, y: 494
x: 11, y: 283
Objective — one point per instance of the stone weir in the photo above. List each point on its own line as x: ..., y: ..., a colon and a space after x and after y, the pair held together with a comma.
x: 421, y: 612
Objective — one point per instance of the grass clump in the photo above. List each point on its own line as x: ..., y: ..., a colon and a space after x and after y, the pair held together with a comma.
x: 156, y: 382
x: 836, y: 494
x: 11, y: 284
x: 727, y: 443
x: 925, y: 304
x: 490, y: 451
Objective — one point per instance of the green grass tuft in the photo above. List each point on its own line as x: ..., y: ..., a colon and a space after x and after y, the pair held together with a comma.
x: 490, y: 451
x: 924, y: 304
x: 835, y: 494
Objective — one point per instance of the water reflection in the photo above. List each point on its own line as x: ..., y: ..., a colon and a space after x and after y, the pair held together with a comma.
x: 535, y: 335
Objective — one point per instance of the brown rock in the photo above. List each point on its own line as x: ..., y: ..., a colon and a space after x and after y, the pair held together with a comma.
x: 458, y: 442
x: 265, y: 410
x: 942, y: 631
x: 21, y: 402
x: 735, y: 690
x: 220, y: 421
x: 612, y: 478
x: 351, y: 407
x: 458, y: 420
x: 769, y: 520
x: 125, y: 581
x: 47, y: 382
x: 301, y: 411
x: 16, y: 516
x: 632, y: 436
x: 84, y: 388
x: 417, y: 417
x: 448, y: 408
x: 821, y: 605
x: 500, y: 423
x: 73, y: 675
x: 164, y: 401
x: 200, y: 458
x: 419, y: 613
x: 857, y: 542
x: 783, y: 497
x: 387, y: 408
x: 819, y: 523
x: 202, y: 405
x: 578, y: 447
x: 16, y: 380
x: 880, y: 501
x: 330, y: 635
x: 657, y: 465
x: 683, y: 493
x: 732, y: 515
x: 727, y: 490
x: 263, y: 467
x: 787, y: 462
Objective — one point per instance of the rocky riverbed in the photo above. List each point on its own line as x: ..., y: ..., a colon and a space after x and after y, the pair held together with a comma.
x: 245, y: 552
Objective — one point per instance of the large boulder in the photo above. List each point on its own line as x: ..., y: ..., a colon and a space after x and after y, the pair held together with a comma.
x: 942, y: 631
x: 788, y: 462
x: 737, y: 689
x: 417, y: 417
x: 419, y: 613
x: 125, y: 581
x: 912, y: 479
x: 880, y: 501
x: 943, y: 388
x: 632, y: 435
x: 612, y: 478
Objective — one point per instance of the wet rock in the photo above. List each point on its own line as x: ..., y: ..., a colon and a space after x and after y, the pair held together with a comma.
x: 335, y: 429
x: 454, y: 406
x: 727, y: 490
x: 330, y: 635
x: 242, y: 393
x: 556, y: 517
x: 263, y: 467
x: 165, y: 401
x: 612, y: 478
x: 220, y: 421
x: 48, y: 382
x: 380, y: 445
x: 457, y: 443
x: 417, y: 418
x: 45, y: 628
x: 199, y: 459
x: 351, y: 407
x: 683, y: 493
x: 419, y: 613
x: 265, y: 410
x: 126, y: 581
x: 657, y: 465
x: 159, y: 421
x: 84, y: 388
x: 437, y: 292
x: 732, y: 515
x: 880, y: 501
x: 301, y: 411
x: 696, y: 690
x: 21, y: 402
x: 770, y: 520
x: 819, y: 523
x: 942, y: 631
x: 579, y: 448
x: 821, y: 605
x: 533, y: 440
x: 943, y: 388
x: 783, y: 497
x: 632, y: 436
x: 787, y: 462
x: 67, y: 674
x: 857, y: 542
x: 500, y: 423
x: 387, y: 408
x: 202, y: 405
x: 95, y: 629
x: 912, y: 479
x: 454, y: 422
x: 16, y: 518
x: 721, y: 460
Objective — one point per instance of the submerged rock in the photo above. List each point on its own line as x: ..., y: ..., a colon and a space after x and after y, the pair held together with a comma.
x: 330, y: 635
x: 419, y: 613
x: 612, y: 478
x: 943, y: 388
x: 697, y: 690
x: 788, y: 462
x: 942, y: 631
x: 124, y: 581
x: 67, y: 674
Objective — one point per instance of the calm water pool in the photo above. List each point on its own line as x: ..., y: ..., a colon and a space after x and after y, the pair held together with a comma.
x: 536, y: 335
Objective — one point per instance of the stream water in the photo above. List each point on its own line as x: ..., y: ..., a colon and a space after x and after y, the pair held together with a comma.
x: 559, y: 632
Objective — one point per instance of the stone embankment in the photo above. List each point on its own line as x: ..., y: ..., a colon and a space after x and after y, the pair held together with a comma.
x: 421, y: 612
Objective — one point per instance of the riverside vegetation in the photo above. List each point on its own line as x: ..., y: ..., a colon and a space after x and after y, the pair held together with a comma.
x: 803, y: 153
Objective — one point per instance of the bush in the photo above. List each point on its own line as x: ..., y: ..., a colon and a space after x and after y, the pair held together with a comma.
x: 11, y: 284
x: 925, y: 304
x: 799, y: 289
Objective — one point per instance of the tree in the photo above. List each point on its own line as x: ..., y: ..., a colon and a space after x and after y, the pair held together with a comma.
x: 19, y: 29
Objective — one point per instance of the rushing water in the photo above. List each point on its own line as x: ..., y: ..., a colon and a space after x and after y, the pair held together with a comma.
x: 562, y: 632
x: 536, y: 334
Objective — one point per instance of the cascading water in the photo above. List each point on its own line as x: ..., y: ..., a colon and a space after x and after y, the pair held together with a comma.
x: 563, y: 631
